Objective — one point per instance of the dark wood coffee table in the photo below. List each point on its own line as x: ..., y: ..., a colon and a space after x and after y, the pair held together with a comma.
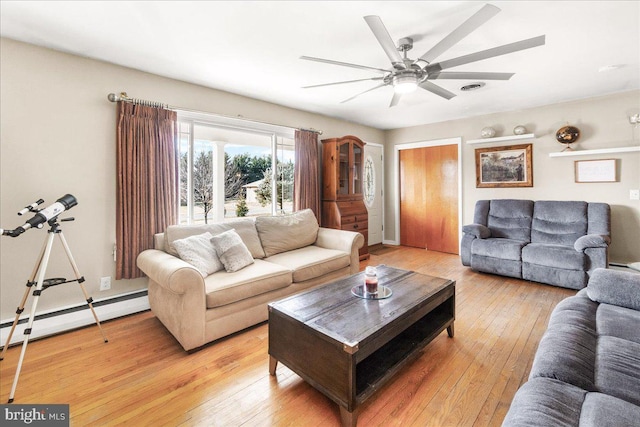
x: 347, y: 347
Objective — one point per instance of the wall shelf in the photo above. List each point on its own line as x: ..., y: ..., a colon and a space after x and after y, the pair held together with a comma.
x: 596, y: 151
x: 502, y: 139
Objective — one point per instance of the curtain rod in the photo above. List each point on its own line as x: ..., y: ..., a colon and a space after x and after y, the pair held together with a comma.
x: 125, y: 98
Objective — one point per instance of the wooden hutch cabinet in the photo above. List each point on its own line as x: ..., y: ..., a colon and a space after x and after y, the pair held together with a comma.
x: 342, y: 187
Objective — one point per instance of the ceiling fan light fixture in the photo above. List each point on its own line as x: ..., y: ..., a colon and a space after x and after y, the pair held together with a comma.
x: 406, y: 74
x: 405, y: 83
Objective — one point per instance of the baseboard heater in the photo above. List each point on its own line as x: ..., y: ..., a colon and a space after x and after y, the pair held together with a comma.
x: 631, y: 265
x: 73, y: 317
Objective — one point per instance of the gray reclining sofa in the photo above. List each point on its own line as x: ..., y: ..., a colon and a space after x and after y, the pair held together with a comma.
x: 586, y: 371
x: 554, y: 242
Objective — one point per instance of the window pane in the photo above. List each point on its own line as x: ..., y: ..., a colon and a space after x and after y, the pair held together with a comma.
x: 197, y: 195
x: 247, y: 180
x: 203, y: 169
x: 227, y: 172
x: 286, y: 159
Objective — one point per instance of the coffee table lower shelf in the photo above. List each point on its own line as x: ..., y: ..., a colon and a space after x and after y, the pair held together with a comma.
x: 382, y: 365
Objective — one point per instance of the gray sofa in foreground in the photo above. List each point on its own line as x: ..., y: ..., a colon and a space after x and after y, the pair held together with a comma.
x: 586, y: 371
x: 554, y: 242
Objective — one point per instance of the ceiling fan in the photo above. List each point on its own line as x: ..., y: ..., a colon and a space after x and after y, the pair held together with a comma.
x: 406, y: 75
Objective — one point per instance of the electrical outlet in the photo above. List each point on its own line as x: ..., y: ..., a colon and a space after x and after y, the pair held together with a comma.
x: 105, y: 283
x: 634, y: 194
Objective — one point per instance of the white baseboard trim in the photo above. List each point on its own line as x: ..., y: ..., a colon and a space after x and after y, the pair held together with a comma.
x: 391, y: 242
x: 73, y: 317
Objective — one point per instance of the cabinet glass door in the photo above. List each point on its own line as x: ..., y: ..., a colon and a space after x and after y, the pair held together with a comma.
x: 357, y: 170
x: 343, y: 169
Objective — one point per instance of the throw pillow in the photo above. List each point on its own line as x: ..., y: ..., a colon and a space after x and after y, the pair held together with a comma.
x: 199, y: 252
x: 245, y: 227
x: 233, y: 253
x: 284, y: 233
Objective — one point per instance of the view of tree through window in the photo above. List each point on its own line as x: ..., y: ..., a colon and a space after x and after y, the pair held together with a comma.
x: 284, y: 186
x: 202, y: 179
x: 247, y: 169
x: 228, y: 173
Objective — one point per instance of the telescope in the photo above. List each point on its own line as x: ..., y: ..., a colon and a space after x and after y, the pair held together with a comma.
x: 49, y: 213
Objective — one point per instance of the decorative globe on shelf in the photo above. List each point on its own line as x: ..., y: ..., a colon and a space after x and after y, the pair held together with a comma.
x: 567, y: 135
x: 519, y: 130
x: 488, y: 132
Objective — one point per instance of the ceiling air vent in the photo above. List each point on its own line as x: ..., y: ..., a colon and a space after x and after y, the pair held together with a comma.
x: 472, y: 86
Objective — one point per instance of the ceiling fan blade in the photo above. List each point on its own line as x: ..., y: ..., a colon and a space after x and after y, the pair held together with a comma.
x: 467, y: 27
x: 470, y: 75
x: 381, y: 33
x: 344, y: 64
x: 440, y: 91
x: 485, y: 54
x: 362, y: 93
x: 395, y: 99
x: 341, y: 83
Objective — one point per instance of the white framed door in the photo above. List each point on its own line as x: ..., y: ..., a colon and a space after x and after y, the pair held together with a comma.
x: 373, y: 190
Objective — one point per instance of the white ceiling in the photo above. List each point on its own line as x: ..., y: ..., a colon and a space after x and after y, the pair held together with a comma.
x: 254, y: 49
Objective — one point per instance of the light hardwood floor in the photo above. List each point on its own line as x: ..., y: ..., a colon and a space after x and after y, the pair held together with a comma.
x: 143, y: 377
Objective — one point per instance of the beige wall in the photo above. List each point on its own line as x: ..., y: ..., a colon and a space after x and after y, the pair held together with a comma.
x: 603, y: 123
x: 57, y: 136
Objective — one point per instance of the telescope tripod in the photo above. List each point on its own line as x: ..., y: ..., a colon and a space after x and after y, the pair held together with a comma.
x: 40, y: 285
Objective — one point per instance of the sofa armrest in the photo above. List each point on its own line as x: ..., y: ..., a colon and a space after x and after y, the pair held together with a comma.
x: 615, y: 287
x: 342, y: 240
x: 176, y: 295
x: 591, y: 241
x: 170, y: 272
x: 478, y: 230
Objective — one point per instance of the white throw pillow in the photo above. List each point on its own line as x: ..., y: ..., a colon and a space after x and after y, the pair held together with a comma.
x: 233, y: 253
x: 199, y: 252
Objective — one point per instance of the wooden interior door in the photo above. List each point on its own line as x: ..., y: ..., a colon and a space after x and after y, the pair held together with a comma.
x: 429, y: 198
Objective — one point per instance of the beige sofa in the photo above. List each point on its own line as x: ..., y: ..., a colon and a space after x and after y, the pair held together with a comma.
x: 288, y: 254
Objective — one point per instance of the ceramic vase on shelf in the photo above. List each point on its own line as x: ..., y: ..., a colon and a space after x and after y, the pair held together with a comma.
x: 488, y: 132
x: 519, y: 130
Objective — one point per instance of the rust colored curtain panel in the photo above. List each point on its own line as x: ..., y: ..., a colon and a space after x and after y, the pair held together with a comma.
x: 306, y: 177
x: 147, y: 181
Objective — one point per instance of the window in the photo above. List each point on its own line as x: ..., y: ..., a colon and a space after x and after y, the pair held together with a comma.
x: 231, y: 168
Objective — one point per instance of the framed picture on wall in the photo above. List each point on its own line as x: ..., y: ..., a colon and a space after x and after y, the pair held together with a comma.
x: 509, y: 166
x: 595, y: 170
